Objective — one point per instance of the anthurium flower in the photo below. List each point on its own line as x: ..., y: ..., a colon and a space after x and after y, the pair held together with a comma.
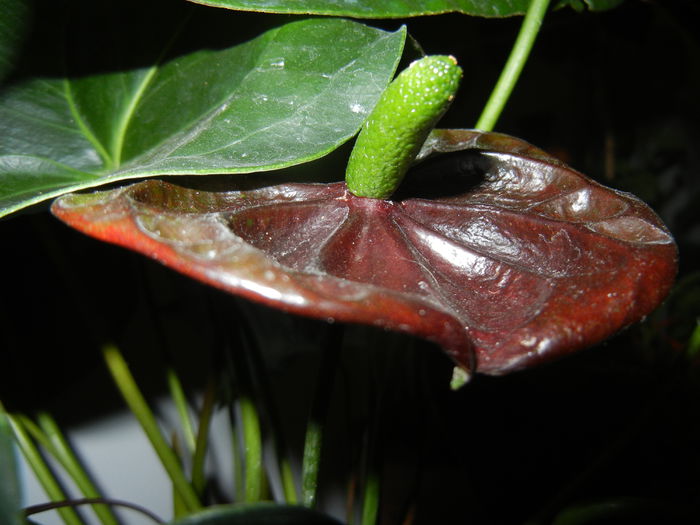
x: 506, y: 259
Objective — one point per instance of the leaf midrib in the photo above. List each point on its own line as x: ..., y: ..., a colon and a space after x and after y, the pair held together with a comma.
x: 193, y: 128
x: 128, y: 114
x: 83, y: 126
x: 185, y: 134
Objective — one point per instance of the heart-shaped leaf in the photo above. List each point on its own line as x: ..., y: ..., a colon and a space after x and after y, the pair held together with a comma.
x: 291, y: 95
x: 507, y: 259
x: 257, y: 514
x: 393, y: 8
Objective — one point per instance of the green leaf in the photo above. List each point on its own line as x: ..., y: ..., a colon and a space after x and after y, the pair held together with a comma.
x: 398, y: 8
x: 289, y: 96
x: 377, y: 8
x: 9, y: 484
x: 12, y: 29
x: 257, y: 514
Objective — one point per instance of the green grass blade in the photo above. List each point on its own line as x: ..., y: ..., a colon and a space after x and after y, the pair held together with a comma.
x: 136, y: 402
x: 63, y: 452
x: 43, y: 473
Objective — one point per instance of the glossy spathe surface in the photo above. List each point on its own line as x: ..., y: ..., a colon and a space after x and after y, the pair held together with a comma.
x: 519, y: 260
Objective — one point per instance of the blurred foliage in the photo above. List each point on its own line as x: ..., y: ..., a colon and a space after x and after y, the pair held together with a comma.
x: 10, y: 493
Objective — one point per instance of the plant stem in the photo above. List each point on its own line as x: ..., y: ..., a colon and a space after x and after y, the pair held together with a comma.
x: 260, y: 386
x: 36, y: 509
x: 693, y: 345
x: 252, y: 439
x: 514, y: 65
x: 179, y: 508
x: 287, y: 478
x: 10, y: 490
x: 42, y: 471
x: 200, y: 451
x: 370, y: 499
x: 317, y: 418
x: 180, y: 401
x: 249, y: 471
x: 311, y: 462
x: 371, y: 485
x: 59, y: 447
x: 237, y: 459
x: 231, y: 386
x: 136, y: 402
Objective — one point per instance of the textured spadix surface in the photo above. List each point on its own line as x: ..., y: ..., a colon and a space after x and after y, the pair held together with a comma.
x: 506, y: 257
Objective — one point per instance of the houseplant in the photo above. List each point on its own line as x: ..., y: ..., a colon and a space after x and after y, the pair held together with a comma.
x: 270, y: 63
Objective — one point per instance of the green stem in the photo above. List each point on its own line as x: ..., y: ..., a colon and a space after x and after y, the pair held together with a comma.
x: 287, y: 478
x: 370, y: 499
x: 249, y: 471
x: 232, y: 386
x: 311, y: 462
x: 237, y: 459
x: 44, y: 507
x: 514, y: 65
x: 252, y: 441
x: 180, y: 401
x: 10, y: 490
x: 136, y: 402
x: 259, y: 384
x: 42, y: 471
x: 59, y: 447
x: 693, y: 345
x: 371, y: 486
x: 179, y: 507
x: 318, y: 416
x: 200, y: 451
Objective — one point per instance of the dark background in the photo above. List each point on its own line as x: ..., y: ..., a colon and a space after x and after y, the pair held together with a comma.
x: 614, y: 94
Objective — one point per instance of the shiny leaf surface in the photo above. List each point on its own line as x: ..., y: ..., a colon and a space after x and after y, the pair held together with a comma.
x: 496, y: 251
x: 291, y: 95
x: 376, y: 8
x: 396, y: 8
